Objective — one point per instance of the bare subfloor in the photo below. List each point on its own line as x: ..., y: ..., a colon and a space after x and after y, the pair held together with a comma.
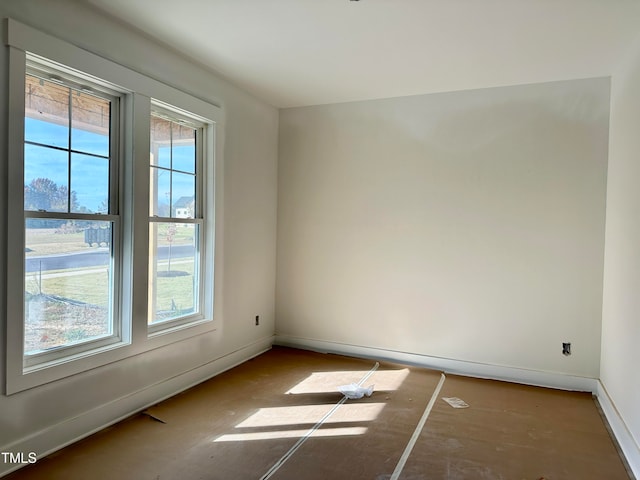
x: 241, y: 423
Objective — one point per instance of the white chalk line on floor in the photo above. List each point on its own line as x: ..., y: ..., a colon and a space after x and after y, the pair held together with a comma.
x: 417, y: 431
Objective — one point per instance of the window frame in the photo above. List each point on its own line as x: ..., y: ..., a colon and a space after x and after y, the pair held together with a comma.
x: 39, y: 67
x: 139, y: 91
x: 172, y: 114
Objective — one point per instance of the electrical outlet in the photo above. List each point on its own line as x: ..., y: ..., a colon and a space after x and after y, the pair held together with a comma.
x: 566, y: 348
x: 257, y: 319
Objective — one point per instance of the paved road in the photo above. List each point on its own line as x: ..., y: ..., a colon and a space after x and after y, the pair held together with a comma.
x: 94, y: 258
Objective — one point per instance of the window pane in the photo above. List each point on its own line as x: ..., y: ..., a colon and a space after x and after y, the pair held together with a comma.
x: 46, y: 112
x: 89, y: 184
x: 173, y: 185
x: 183, y: 195
x: 184, y: 149
x: 90, y: 122
x: 45, y: 179
x: 173, y: 271
x: 47, y: 133
x: 160, y: 192
x: 160, y: 142
x: 68, y: 282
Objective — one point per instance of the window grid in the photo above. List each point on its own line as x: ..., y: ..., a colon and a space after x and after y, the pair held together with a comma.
x: 58, y: 320
x: 70, y: 150
x: 175, y: 293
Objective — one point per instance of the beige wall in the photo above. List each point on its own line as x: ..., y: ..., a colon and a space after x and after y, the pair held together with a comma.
x: 621, y: 302
x: 466, y: 225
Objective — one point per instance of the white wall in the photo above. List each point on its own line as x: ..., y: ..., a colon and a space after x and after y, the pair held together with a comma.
x: 42, y: 418
x: 621, y: 302
x: 465, y: 225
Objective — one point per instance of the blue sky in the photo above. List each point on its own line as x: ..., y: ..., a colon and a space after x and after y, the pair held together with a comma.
x: 90, y: 173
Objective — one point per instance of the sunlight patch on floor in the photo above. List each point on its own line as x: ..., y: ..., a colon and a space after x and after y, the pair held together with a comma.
x: 321, y: 419
x: 311, y: 414
x: 326, y: 382
x: 274, y: 435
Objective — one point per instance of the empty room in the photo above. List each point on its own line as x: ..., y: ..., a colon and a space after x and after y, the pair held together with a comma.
x: 284, y: 239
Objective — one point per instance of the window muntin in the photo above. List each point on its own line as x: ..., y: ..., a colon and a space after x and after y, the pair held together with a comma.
x: 173, y: 160
x: 175, y: 221
x: 71, y: 246
x: 68, y: 136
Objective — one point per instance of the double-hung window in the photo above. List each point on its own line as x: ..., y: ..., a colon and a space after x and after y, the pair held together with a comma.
x: 176, y: 223
x: 110, y: 211
x: 71, y: 221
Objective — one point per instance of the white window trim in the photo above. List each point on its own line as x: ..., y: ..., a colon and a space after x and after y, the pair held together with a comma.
x: 133, y: 176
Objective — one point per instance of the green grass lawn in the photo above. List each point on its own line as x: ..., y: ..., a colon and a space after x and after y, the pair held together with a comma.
x: 91, y: 286
x: 72, y: 305
x: 174, y: 294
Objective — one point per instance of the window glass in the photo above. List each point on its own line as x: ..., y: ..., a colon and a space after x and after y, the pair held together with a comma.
x: 160, y: 142
x: 89, y: 183
x: 47, y: 112
x: 90, y: 124
x: 45, y: 179
x: 68, y: 259
x: 59, y: 178
x: 183, y: 188
x: 68, y: 282
x: 174, y: 270
x: 184, y: 149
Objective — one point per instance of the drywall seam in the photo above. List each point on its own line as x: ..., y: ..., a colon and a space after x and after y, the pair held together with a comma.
x: 626, y: 441
x: 418, y: 430
x: 456, y: 367
x: 53, y: 438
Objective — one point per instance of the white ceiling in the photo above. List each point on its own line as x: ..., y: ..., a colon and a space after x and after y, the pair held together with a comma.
x: 306, y: 52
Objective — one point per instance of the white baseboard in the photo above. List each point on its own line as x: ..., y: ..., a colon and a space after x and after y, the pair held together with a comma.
x: 454, y: 367
x: 53, y: 438
x: 626, y: 441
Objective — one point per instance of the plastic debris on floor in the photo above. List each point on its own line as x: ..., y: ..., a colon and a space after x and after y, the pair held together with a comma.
x: 456, y: 402
x: 354, y: 391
